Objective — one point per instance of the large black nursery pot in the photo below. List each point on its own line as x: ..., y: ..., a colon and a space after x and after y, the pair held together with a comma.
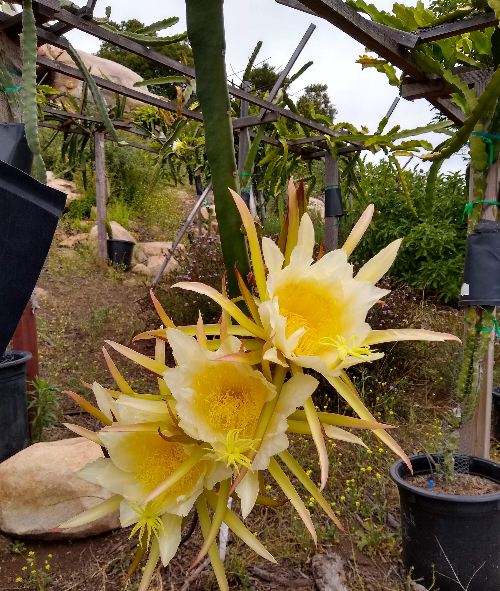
x: 14, y: 431
x: 453, y: 540
x: 120, y: 252
x: 29, y: 212
x: 481, y: 281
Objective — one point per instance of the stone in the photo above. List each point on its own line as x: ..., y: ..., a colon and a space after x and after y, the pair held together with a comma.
x: 139, y: 256
x: 41, y: 293
x: 119, y: 232
x: 155, y: 262
x: 328, y: 572
x: 141, y: 269
x: 39, y: 490
x: 316, y: 208
x: 73, y: 241
x: 154, y: 249
x: 65, y: 186
x: 101, y: 67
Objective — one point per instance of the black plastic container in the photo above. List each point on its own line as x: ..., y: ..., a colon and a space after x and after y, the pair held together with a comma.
x: 481, y: 282
x: 442, y: 533
x: 120, y: 252
x: 496, y: 413
x: 28, y: 220
x: 14, y: 425
x: 333, y: 202
x: 14, y: 149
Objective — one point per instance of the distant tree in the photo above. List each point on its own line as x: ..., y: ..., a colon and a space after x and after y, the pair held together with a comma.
x: 146, y: 68
x: 263, y: 78
x: 317, y: 95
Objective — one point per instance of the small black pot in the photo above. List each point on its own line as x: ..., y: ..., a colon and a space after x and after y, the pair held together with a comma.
x: 446, y: 537
x: 14, y: 149
x: 496, y: 413
x: 14, y: 425
x: 120, y: 252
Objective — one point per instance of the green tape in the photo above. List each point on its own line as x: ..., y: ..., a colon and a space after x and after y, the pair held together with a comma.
x: 331, y: 186
x: 11, y: 89
x: 468, y: 206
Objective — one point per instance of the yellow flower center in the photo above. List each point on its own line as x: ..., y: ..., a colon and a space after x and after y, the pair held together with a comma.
x: 149, y: 520
x: 234, y: 450
x: 346, y: 349
x: 307, y: 305
x: 153, y: 459
x: 228, y: 399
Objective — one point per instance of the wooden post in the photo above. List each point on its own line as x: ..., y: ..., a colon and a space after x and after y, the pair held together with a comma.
x: 331, y: 241
x: 100, y: 195
x: 26, y: 339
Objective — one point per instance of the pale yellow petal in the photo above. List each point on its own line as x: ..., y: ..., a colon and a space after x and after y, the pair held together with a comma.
x: 378, y: 266
x: 358, y: 230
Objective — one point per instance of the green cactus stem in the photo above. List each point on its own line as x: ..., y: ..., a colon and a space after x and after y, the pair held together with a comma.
x: 205, y: 27
x: 30, y: 110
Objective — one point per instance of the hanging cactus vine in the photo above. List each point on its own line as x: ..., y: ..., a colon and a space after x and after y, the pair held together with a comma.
x: 30, y: 111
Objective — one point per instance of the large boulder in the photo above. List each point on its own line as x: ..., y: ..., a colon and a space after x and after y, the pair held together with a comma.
x: 119, y: 232
x: 98, y: 66
x: 65, y: 186
x: 156, y: 249
x: 39, y: 491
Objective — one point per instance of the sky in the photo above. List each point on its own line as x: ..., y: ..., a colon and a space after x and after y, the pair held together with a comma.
x: 361, y: 97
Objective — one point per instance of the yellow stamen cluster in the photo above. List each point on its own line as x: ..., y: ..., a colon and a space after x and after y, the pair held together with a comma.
x: 345, y: 349
x: 149, y: 520
x: 303, y: 304
x: 228, y: 399
x: 234, y: 450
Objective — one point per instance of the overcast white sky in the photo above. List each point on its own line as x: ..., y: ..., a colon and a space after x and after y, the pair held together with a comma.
x: 361, y: 97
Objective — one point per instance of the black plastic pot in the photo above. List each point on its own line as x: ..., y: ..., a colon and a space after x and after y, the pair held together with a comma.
x: 14, y: 149
x: 14, y: 425
x: 496, y: 413
x: 481, y: 282
x: 28, y: 220
x: 120, y: 252
x: 333, y: 202
x: 450, y: 536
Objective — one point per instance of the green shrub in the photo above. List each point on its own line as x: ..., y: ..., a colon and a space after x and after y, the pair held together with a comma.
x: 433, y: 250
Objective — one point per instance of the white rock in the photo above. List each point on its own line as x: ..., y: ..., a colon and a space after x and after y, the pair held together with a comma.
x: 139, y: 256
x: 73, y: 241
x: 328, y: 572
x: 39, y: 491
x: 154, y: 264
x: 142, y: 269
x: 119, y: 232
x: 155, y: 249
x: 65, y: 186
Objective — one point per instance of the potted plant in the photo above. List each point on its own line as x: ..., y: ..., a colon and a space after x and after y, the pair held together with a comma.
x: 119, y: 251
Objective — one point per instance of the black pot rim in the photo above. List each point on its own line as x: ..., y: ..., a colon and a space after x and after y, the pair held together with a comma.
x: 21, y: 357
x: 118, y: 240
x: 402, y: 483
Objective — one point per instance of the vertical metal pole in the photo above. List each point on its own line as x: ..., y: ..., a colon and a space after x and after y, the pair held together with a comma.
x: 331, y: 241
x: 199, y: 191
x: 100, y: 195
x: 243, y: 145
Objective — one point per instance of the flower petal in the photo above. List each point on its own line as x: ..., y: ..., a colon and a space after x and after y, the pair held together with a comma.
x: 407, y: 334
x: 101, y: 510
x: 378, y: 266
x: 247, y: 490
x: 358, y: 230
x: 272, y: 255
x: 170, y: 537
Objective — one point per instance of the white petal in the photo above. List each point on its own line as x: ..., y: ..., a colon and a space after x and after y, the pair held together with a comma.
x: 272, y: 355
x: 306, y: 234
x: 273, y: 256
x: 293, y: 394
x: 217, y: 473
x: 106, y: 474
x: 186, y: 349
x: 170, y: 540
x: 105, y: 402
x: 128, y: 515
x: 378, y: 266
x: 359, y: 229
x: 247, y: 490
x: 137, y: 410
x: 100, y: 510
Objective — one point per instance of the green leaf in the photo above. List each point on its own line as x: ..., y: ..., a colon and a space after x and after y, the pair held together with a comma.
x: 159, y: 25
x: 163, y: 80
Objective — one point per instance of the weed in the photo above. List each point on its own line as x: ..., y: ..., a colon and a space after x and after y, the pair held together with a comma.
x: 43, y: 407
x: 35, y: 576
x: 14, y: 547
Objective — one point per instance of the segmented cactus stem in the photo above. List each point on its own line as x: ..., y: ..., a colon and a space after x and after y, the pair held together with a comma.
x: 30, y: 110
x: 98, y: 100
x: 404, y: 185
x: 205, y: 25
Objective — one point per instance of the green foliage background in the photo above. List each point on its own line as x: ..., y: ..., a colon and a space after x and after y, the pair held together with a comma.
x: 433, y: 250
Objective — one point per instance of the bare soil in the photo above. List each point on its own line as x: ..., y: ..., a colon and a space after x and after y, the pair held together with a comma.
x: 465, y: 485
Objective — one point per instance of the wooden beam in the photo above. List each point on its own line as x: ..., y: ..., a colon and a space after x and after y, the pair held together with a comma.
x: 376, y: 37
x: 251, y: 120
x: 439, y: 87
x: 100, y: 195
x: 483, y: 20
x: 97, y: 31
